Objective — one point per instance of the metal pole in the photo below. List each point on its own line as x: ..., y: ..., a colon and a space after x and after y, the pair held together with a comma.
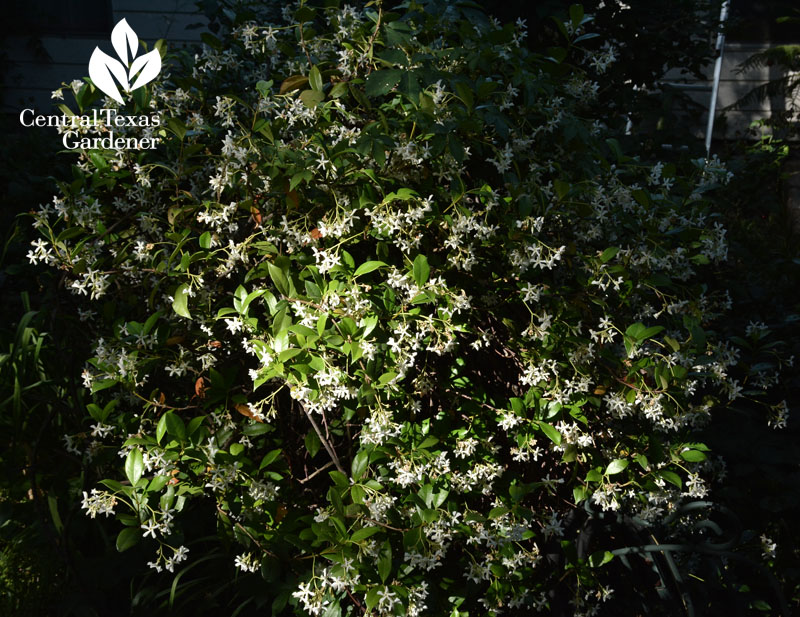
x: 712, y: 107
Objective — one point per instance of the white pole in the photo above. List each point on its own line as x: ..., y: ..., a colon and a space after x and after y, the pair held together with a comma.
x: 712, y: 107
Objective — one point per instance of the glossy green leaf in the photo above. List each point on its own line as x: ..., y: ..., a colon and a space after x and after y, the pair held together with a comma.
x: 693, y: 456
x: 367, y: 267
x: 127, y: 538
x: 180, y: 302
x: 385, y: 560
x: 315, y: 79
x: 279, y: 278
x: 616, y: 466
x: 359, y: 465
x: 364, y: 533
x: 175, y: 426
x: 421, y: 270
x: 671, y: 477
x: 161, y: 428
x: 551, y: 432
x: 312, y: 98
x: 381, y: 82
x: 134, y: 466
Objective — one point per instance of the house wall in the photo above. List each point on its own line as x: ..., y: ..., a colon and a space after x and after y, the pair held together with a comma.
x: 733, y: 85
x: 40, y: 64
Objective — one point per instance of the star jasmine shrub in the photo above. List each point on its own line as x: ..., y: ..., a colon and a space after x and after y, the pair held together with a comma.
x: 388, y: 298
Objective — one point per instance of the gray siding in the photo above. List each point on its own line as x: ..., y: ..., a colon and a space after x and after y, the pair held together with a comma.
x: 733, y: 123
x: 39, y: 66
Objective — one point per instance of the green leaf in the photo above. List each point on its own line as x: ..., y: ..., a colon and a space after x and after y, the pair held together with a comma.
x: 600, y: 558
x: 279, y: 278
x: 576, y: 14
x: 586, y: 37
x: 671, y: 477
x: 205, y: 240
x: 305, y: 13
x: 357, y: 493
x: 177, y: 127
x: 180, y: 302
x: 693, y: 456
x: 52, y: 504
x: 293, y: 83
x: 347, y: 258
x: 103, y: 384
x: 98, y: 160
x: 651, y: 331
x: 393, y: 57
x: 594, y: 475
x: 609, y: 254
x: 134, y: 466
x: 312, y: 98
x: 421, y: 270
x: 385, y: 560
x: 313, y: 444
x: 368, y: 266
x: 195, y: 424
x: 675, y: 345
x: 616, y: 466
x: 263, y: 87
x: 381, y: 82
x: 95, y: 411
x: 551, y: 432
x: 157, y: 483
x: 409, y: 85
x: 341, y: 480
x: 161, y: 428
x: 236, y: 449
x: 339, y: 90
x: 562, y: 188
x: 288, y: 354
x: 364, y: 533
x: 373, y: 598
x: 269, y: 458
x: 429, y: 441
x: 127, y: 538
x: 465, y: 94
x: 175, y: 426
x: 497, y: 512
x: 315, y: 79
x: 359, y: 465
x: 299, y: 177
x: 386, y: 378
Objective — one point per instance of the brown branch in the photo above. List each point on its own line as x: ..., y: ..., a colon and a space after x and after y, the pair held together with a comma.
x: 164, y: 405
x: 469, y: 398
x: 374, y: 34
x: 356, y: 602
x: 328, y: 447
x: 379, y: 524
x: 321, y: 469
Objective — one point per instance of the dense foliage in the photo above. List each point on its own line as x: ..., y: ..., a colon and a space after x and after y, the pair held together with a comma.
x: 392, y: 307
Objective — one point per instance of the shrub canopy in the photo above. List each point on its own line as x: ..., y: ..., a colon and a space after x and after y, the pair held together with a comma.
x: 389, y: 303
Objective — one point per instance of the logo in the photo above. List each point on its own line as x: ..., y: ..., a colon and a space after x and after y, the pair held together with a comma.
x: 133, y: 74
x: 101, y: 129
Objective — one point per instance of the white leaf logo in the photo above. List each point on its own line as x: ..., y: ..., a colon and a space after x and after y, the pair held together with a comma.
x: 122, y: 37
x: 103, y: 69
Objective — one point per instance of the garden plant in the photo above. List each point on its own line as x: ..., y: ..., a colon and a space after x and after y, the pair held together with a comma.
x: 393, y: 308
